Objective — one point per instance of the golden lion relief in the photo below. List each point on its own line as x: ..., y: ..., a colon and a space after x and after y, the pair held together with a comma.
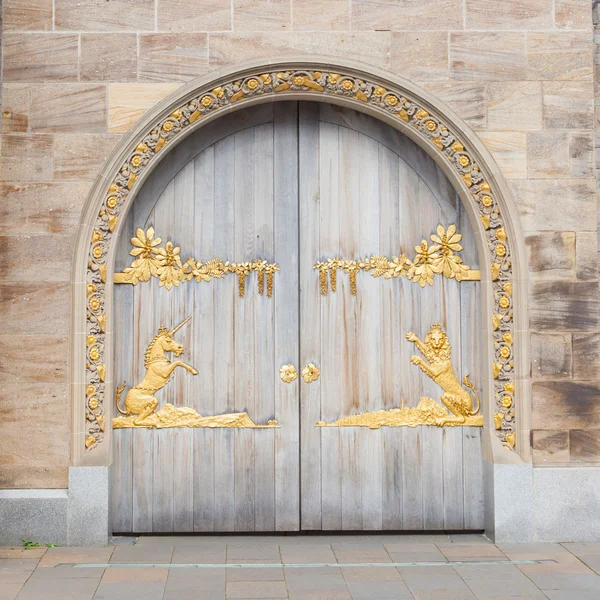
x: 436, y: 349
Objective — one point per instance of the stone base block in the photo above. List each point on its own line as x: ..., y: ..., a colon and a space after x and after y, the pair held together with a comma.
x: 89, y: 500
x: 37, y: 515
x: 566, y: 504
x: 508, y: 502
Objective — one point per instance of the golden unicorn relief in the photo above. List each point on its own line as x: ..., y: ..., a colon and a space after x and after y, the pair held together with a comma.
x: 436, y: 349
x: 140, y: 402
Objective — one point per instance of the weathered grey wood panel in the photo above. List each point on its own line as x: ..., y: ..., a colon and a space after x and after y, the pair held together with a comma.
x: 378, y: 194
x: 220, y: 204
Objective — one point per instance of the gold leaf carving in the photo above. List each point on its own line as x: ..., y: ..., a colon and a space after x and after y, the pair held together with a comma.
x: 310, y: 373
x: 153, y: 260
x: 457, y: 400
x: 288, y: 373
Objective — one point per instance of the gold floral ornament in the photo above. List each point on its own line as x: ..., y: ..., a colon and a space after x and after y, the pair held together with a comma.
x: 270, y: 269
x: 152, y: 260
x: 146, y: 263
x: 381, y: 266
x: 310, y: 373
x: 260, y: 266
x: 170, y: 271
x: 288, y: 373
x: 242, y: 270
x: 438, y: 259
x: 205, y: 271
x: 352, y: 267
x: 322, y: 267
x: 333, y: 264
x: 422, y: 270
x: 447, y: 263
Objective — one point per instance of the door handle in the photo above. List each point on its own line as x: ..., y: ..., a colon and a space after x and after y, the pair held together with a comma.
x: 288, y: 373
x: 310, y: 373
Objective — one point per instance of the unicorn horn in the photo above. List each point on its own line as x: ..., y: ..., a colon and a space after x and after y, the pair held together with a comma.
x: 180, y: 326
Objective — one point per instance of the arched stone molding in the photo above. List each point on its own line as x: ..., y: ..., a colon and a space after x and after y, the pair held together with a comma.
x: 396, y: 101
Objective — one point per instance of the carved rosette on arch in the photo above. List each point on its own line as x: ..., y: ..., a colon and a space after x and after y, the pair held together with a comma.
x: 381, y: 97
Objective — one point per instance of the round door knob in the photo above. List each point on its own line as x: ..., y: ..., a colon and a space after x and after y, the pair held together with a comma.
x: 288, y: 373
x: 310, y: 373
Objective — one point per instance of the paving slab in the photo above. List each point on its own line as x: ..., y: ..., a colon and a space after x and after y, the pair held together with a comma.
x: 307, y: 555
x: 260, y: 590
x: 199, y: 555
x: 495, y: 581
x: 258, y: 551
x: 458, y: 552
x: 379, y: 590
x: 38, y: 588
x: 153, y: 554
x: 449, y: 585
x: 126, y: 584
x: 22, y: 552
x: 75, y: 555
x: 561, y: 581
x: 366, y: 555
x: 364, y: 574
x: 18, y: 564
x: 258, y: 574
x: 9, y: 591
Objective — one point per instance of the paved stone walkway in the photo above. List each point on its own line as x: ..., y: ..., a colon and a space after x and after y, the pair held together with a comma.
x: 341, y: 567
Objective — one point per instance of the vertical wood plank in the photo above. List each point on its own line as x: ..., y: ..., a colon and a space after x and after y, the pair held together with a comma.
x: 453, y: 478
x: 184, y: 384
x: 245, y: 393
x: 331, y: 306
x: 347, y: 325
x: 286, y: 304
x: 310, y: 314
x: 470, y: 342
x: 264, y: 327
x: 122, y: 470
x: 225, y: 303
x: 142, y: 439
x: 162, y: 463
x: 370, y: 326
x: 204, y: 326
x: 391, y: 341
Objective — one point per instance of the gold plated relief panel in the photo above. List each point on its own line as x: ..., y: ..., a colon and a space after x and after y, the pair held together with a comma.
x: 440, y: 259
x: 164, y: 263
x: 457, y: 407
x: 141, y: 403
x: 381, y: 98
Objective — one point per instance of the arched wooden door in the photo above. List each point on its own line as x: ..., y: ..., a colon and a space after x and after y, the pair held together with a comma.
x: 297, y: 184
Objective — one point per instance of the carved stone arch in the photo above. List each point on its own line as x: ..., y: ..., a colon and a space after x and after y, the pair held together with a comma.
x: 389, y: 98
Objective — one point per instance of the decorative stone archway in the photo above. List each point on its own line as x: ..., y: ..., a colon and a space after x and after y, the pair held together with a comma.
x: 391, y: 99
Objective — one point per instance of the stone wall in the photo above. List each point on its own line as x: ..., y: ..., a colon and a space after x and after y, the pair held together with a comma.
x: 77, y: 74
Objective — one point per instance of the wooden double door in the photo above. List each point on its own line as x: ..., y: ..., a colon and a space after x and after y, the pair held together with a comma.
x: 297, y: 183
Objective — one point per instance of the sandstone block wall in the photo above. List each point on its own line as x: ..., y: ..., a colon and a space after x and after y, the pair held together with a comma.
x: 77, y: 74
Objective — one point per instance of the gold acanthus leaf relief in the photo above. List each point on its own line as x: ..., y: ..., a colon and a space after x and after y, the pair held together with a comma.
x: 438, y: 259
x: 153, y: 260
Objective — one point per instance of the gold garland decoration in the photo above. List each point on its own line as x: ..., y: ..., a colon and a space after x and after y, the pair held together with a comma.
x: 438, y: 259
x: 164, y: 263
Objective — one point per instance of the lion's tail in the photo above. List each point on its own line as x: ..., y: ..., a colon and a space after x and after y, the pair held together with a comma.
x: 469, y: 385
x: 118, y: 398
